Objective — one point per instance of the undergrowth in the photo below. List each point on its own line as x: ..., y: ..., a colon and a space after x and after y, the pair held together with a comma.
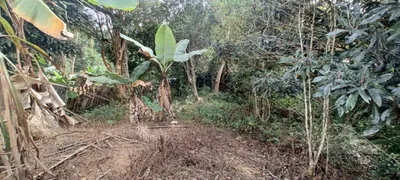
x: 348, y: 150
x: 110, y: 113
x: 226, y: 110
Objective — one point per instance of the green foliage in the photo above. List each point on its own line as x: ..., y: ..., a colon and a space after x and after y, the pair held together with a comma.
x: 129, y: 5
x: 110, y: 114
x: 166, y: 48
x: 232, y: 112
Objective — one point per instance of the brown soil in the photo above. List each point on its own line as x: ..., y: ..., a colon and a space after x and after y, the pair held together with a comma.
x: 194, y: 151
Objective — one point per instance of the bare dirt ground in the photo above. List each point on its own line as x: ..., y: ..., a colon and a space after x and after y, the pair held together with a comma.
x: 151, y: 151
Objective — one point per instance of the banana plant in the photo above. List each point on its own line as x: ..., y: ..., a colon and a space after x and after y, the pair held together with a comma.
x: 167, y: 52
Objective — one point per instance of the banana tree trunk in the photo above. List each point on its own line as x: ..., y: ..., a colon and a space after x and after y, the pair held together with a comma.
x: 137, y: 109
x: 219, y: 76
x: 164, y: 96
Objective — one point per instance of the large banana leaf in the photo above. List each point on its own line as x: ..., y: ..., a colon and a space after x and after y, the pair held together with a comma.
x: 40, y: 15
x: 187, y: 56
x: 139, y: 70
x: 125, y: 5
x: 144, y: 48
x: 181, y: 47
x: 165, y: 45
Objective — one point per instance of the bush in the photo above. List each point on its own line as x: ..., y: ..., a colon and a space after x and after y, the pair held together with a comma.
x: 110, y: 113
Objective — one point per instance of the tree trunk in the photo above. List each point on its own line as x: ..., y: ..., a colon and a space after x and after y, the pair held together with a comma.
x: 218, y: 78
x: 119, y: 53
x: 164, y: 96
x: 191, y: 75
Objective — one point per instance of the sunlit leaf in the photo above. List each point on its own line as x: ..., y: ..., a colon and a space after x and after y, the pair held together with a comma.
x: 40, y: 15
x: 125, y: 5
x: 144, y: 48
x: 181, y: 47
x: 185, y: 57
x: 165, y: 45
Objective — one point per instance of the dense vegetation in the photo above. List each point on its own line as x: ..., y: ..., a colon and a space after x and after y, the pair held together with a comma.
x: 321, y: 74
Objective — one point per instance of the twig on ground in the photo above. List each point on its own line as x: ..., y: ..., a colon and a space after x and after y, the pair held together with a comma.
x: 120, y: 137
x: 70, y: 156
x: 71, y: 132
x: 104, y: 174
x: 172, y: 126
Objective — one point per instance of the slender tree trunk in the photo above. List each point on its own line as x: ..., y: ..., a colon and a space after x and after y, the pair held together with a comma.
x: 119, y: 52
x: 191, y: 74
x: 73, y: 65
x: 219, y: 76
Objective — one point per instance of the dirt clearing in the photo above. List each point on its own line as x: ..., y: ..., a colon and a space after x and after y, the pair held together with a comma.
x: 190, y: 151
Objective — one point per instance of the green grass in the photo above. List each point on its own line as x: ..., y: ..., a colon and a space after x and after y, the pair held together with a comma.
x: 110, y: 113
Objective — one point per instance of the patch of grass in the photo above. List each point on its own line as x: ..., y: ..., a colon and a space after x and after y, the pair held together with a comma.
x: 226, y: 110
x: 110, y: 113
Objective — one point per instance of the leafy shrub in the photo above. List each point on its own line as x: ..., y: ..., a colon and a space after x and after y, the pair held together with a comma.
x: 110, y: 113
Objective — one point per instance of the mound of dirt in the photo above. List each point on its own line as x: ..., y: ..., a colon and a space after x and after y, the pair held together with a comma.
x: 191, y: 151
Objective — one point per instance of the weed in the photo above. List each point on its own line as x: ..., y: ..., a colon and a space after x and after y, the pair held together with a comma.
x: 110, y: 113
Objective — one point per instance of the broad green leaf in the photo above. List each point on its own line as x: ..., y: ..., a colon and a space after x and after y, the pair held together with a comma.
x: 125, y: 5
x: 340, y: 86
x: 40, y: 15
x: 335, y: 32
x: 375, y: 96
x: 376, y: 116
x: 181, y: 47
x: 152, y: 105
x: 144, y: 48
x: 341, y: 100
x: 364, y: 95
x: 165, y: 45
x: 373, y: 130
x: 72, y: 94
x: 10, y: 31
x: 117, y: 77
x: 139, y: 70
x: 351, y: 102
x: 185, y: 57
x: 103, y: 80
x: 385, y: 77
x: 386, y: 114
x: 318, y: 79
